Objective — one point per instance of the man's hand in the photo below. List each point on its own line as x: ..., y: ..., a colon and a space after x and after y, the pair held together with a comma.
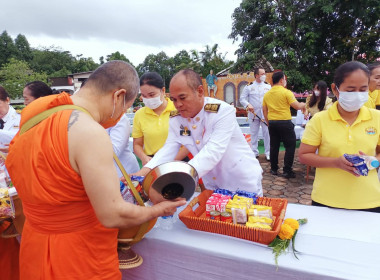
x: 142, y: 172
x: 145, y: 159
x: 249, y: 108
x: 169, y: 207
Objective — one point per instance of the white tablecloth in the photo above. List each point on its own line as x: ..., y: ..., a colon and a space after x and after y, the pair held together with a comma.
x: 334, y: 244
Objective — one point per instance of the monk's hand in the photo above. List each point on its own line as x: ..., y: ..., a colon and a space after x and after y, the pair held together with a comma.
x: 345, y: 165
x: 169, y: 207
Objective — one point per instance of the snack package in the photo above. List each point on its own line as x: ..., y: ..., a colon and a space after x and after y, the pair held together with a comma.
x: 127, y: 194
x: 258, y: 225
x: 260, y: 211
x: 260, y: 220
x: 6, y: 205
x: 247, y: 194
x: 239, y: 215
x: 359, y: 163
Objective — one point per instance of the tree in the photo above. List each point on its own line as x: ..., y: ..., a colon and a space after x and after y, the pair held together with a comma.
x: 159, y: 63
x: 308, y: 39
x: 7, y: 48
x: 83, y: 64
x: 52, y: 59
x: 24, y: 51
x: 117, y: 56
x: 15, y: 74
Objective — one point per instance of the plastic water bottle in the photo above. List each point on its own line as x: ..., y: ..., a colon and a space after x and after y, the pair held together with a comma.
x: 371, y: 162
x: 166, y: 222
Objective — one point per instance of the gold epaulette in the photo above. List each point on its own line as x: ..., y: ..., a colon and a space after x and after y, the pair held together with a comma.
x: 174, y: 113
x: 212, y: 107
x: 249, y: 83
x: 18, y: 111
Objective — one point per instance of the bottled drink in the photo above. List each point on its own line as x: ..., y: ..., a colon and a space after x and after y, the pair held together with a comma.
x: 166, y: 222
x: 371, y: 162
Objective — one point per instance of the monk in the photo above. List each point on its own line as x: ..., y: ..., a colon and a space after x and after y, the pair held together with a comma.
x: 64, y: 174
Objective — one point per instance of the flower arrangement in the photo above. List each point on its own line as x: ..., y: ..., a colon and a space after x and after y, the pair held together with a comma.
x: 287, y: 234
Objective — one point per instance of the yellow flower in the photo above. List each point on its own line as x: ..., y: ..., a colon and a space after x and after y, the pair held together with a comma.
x: 286, y: 232
x: 292, y: 222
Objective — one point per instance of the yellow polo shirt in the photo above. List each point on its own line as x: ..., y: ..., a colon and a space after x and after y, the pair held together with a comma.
x: 154, y: 128
x: 278, y: 100
x: 371, y: 102
x: 376, y: 95
x: 334, y: 136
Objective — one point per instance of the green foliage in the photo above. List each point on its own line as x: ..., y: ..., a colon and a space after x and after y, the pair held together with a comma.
x: 7, y: 48
x: 15, y: 74
x: 24, y: 51
x: 116, y: 56
x: 309, y: 38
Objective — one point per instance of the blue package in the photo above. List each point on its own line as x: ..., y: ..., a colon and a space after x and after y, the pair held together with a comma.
x: 247, y: 194
x: 359, y: 164
x: 139, y: 179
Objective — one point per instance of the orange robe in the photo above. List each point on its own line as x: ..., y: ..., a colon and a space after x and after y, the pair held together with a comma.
x: 62, y: 238
x: 9, y: 254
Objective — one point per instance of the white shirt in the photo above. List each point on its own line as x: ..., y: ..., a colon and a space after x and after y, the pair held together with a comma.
x: 222, y: 156
x: 253, y: 94
x: 119, y: 135
x: 11, y: 126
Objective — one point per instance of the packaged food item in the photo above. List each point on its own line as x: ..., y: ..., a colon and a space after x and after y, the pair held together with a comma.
x: 127, y: 194
x: 258, y: 225
x: 216, y: 202
x: 362, y: 163
x: 239, y: 215
x: 226, y: 217
x: 260, y: 211
x: 241, y: 199
x: 6, y: 205
x: 260, y: 220
x: 247, y: 194
x: 224, y: 192
x: 215, y: 215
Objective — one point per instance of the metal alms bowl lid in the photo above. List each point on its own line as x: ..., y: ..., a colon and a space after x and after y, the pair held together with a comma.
x: 171, y: 180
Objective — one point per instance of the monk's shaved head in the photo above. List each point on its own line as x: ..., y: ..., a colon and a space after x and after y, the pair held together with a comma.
x: 115, y: 75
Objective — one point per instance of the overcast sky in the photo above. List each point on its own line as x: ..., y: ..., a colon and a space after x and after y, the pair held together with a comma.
x: 135, y: 28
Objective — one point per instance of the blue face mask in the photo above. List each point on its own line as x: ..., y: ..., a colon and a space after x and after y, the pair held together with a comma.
x: 352, y: 101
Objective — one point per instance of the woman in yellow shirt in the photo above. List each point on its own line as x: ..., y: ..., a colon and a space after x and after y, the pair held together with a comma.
x: 346, y: 127
x: 318, y: 100
x: 151, y: 123
x: 374, y: 83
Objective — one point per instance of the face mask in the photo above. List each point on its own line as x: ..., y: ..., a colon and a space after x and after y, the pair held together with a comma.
x: 263, y: 78
x: 285, y: 83
x: 153, y: 103
x: 111, y: 121
x: 352, y: 101
x: 316, y: 92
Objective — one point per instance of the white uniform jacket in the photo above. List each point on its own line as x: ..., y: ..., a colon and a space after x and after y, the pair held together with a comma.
x: 11, y: 126
x: 253, y: 94
x: 222, y: 156
x: 119, y: 135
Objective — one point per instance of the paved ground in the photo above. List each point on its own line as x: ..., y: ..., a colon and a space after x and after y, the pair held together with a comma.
x: 294, y: 190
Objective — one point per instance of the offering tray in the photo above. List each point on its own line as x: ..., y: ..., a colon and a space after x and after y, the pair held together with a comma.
x: 195, y: 218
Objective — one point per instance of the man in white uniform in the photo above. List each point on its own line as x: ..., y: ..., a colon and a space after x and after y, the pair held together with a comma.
x: 9, y: 119
x: 252, y: 100
x: 207, y: 127
x: 119, y: 135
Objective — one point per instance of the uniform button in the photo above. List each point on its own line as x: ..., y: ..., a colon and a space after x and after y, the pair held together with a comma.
x: 194, y: 126
x: 197, y: 142
x: 214, y: 178
x: 197, y: 119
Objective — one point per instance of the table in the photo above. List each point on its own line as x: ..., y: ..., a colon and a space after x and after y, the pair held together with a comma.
x: 334, y: 244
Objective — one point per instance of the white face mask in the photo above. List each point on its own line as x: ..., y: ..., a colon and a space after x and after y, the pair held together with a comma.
x: 352, y: 101
x: 153, y: 103
x: 316, y: 92
x: 285, y: 83
x: 263, y: 78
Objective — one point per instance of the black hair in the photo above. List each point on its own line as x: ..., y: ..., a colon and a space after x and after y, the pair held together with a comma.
x: 192, y: 78
x: 256, y: 71
x: 346, y: 69
x: 277, y: 76
x: 3, y: 94
x: 152, y: 79
x: 39, y: 89
x: 322, y: 86
x: 373, y: 66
